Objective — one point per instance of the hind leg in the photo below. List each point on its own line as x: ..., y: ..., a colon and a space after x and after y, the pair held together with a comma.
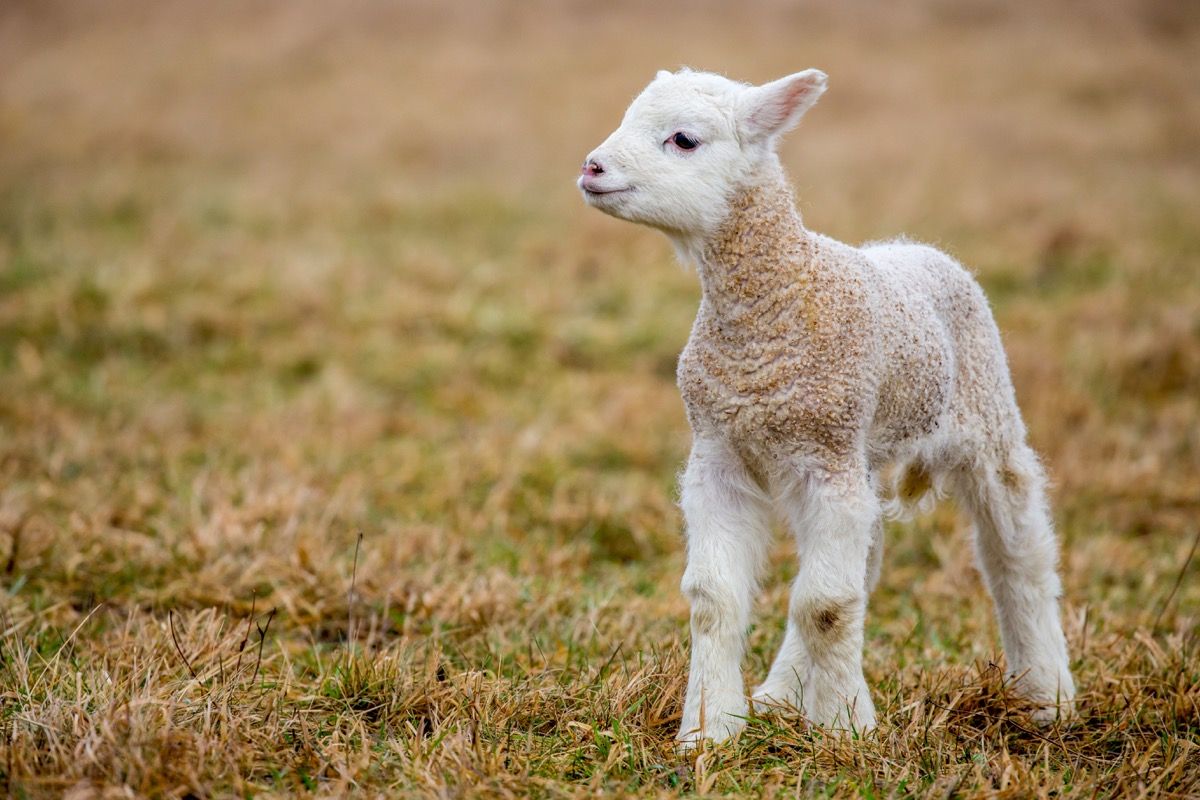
x: 1018, y: 554
x: 875, y: 555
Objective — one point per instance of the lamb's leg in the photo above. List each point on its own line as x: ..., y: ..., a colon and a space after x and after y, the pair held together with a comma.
x: 875, y: 555
x: 1018, y: 554
x: 819, y: 667
x: 783, y: 689
x: 727, y: 537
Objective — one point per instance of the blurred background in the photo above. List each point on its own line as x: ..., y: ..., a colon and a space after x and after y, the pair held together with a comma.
x: 275, y: 273
x: 378, y: 198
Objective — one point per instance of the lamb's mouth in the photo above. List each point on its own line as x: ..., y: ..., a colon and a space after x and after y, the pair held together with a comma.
x: 595, y: 193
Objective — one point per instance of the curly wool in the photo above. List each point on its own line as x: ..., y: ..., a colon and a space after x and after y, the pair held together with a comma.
x: 803, y: 346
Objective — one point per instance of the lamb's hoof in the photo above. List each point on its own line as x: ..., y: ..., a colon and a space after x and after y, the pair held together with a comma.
x: 687, y: 742
x: 1053, y: 698
x: 1052, y: 713
x: 690, y: 738
x: 854, y: 716
x: 861, y: 724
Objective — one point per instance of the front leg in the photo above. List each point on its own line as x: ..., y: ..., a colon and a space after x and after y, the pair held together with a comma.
x: 783, y: 689
x: 727, y: 537
x: 819, y: 668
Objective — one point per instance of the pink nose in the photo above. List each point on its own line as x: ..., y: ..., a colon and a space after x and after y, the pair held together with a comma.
x: 592, y: 168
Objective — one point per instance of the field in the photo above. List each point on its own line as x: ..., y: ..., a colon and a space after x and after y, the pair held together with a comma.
x: 339, y: 440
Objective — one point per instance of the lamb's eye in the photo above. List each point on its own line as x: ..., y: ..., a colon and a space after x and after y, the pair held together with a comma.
x: 684, y: 142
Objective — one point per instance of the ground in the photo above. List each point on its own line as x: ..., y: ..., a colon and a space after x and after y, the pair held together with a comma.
x: 339, y: 441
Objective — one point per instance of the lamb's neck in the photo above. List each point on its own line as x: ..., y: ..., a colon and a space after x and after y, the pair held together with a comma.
x: 759, y: 253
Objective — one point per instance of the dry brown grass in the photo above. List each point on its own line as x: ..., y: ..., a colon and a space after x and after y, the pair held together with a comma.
x: 273, y: 275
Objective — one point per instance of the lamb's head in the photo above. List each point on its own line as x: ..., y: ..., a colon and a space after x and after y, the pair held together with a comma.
x: 688, y: 142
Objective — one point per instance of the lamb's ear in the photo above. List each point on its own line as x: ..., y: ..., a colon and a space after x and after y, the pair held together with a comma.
x: 775, y: 107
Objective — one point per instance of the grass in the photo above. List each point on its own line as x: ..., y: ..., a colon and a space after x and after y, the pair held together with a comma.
x: 338, y: 441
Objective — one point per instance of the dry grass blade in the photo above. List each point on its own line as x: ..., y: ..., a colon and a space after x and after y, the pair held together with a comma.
x: 175, y: 640
x: 262, y: 637
x: 350, y: 595
x: 1187, y: 562
x: 15, y: 546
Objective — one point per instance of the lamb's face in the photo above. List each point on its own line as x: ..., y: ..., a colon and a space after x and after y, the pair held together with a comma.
x: 687, y: 143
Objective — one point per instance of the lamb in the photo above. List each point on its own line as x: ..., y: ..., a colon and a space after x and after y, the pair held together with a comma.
x: 813, y: 367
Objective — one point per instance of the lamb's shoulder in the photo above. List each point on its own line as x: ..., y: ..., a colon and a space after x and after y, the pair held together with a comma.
x: 844, y: 276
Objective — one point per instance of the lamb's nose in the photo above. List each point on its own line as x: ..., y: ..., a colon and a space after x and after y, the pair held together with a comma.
x: 592, y: 168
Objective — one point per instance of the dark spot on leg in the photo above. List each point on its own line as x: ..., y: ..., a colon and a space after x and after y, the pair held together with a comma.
x: 826, y: 619
x: 705, y: 609
x: 829, y: 618
x: 703, y: 620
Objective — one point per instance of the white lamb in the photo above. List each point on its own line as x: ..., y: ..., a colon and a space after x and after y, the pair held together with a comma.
x: 811, y: 366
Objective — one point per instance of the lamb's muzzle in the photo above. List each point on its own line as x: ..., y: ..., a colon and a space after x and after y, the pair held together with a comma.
x: 812, y: 366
